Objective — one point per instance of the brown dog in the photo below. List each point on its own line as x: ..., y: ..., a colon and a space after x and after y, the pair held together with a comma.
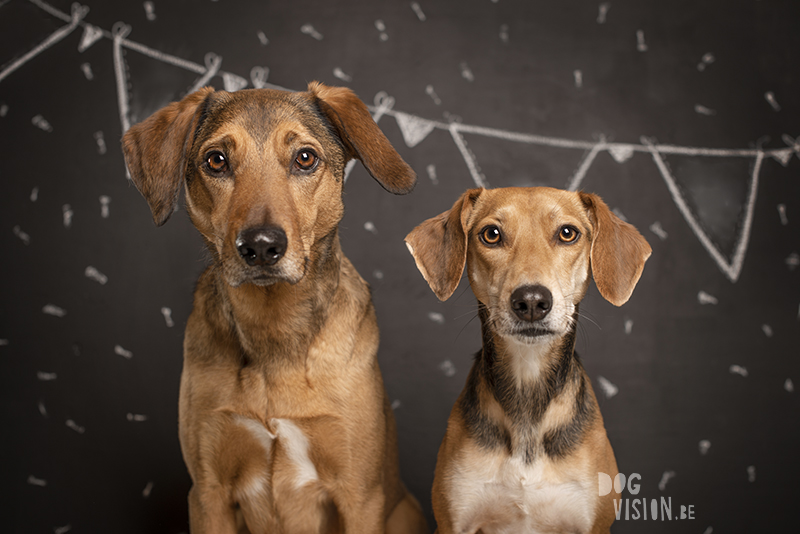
x: 284, y: 422
x: 525, y: 441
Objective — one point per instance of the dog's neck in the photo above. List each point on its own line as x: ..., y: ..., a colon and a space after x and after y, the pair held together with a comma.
x: 512, y: 385
x: 280, y: 320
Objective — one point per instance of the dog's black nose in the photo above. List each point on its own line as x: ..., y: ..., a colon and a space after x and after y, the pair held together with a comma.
x: 262, y: 246
x: 531, y: 303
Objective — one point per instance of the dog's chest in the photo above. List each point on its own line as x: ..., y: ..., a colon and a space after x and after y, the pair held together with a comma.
x: 504, y: 495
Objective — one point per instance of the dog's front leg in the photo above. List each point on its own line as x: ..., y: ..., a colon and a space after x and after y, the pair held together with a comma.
x: 210, y: 512
x: 363, y: 512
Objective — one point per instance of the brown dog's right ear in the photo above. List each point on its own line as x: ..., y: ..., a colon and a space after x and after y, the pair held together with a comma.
x: 156, y: 151
x: 439, y: 245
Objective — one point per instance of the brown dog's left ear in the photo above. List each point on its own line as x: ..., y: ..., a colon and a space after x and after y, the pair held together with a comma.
x: 156, y: 151
x: 363, y: 139
x: 439, y: 245
x: 618, y: 252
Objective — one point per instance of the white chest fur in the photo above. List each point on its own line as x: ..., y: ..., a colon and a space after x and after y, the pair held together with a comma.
x: 502, y: 495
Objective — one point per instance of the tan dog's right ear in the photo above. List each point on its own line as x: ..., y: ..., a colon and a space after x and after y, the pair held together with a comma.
x: 439, y: 245
x: 156, y: 152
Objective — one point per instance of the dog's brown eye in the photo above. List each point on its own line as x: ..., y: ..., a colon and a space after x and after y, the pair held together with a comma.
x: 568, y: 234
x: 217, y: 162
x: 306, y: 160
x: 491, y: 235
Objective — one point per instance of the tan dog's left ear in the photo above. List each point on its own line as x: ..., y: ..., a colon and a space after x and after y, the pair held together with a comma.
x: 439, y: 245
x: 618, y: 252
x: 363, y: 139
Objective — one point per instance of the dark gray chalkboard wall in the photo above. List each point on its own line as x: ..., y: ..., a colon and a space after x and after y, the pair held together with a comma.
x: 696, y: 375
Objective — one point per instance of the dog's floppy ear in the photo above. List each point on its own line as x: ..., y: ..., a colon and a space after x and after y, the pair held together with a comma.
x: 439, y: 245
x: 618, y: 252
x: 362, y: 137
x: 156, y: 152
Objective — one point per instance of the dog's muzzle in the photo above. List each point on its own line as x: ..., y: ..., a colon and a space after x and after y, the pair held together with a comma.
x: 531, y: 304
x: 263, y: 246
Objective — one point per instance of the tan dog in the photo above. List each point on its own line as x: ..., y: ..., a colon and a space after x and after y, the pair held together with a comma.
x: 284, y: 422
x: 525, y: 441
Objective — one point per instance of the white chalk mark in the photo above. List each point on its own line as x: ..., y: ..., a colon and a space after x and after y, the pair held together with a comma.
x: 469, y: 157
x: 504, y: 35
x: 104, y: 203
x: 702, y: 110
x: 25, y: 238
x: 377, y: 274
x: 123, y: 352
x: 609, y: 389
x: 259, y: 75
x: 784, y: 156
x: 705, y: 298
x: 339, y: 73
x: 770, y: 97
x: 436, y: 317
x: 34, y: 481
x: 433, y: 95
x: 3, y: 342
x: 42, y: 409
x: 704, y: 446
x: 40, y: 122
x: 751, y: 473
x: 75, y: 426
x: 792, y: 261
x: 167, y: 313
x: 119, y: 32
x: 731, y: 268
x: 46, y: 377
x: 448, y: 368
x: 578, y: 76
x: 369, y: 226
x: 150, y: 10
x: 101, y: 142
x: 78, y: 12
x: 705, y: 61
x: 709, y: 530
x: 308, y: 29
x: 431, y: 170
x: 628, y: 326
x: 93, y: 274
x: 62, y: 530
x: 413, y: 128
x: 738, y: 370
x: 35, y: 194
x: 577, y: 179
x: 641, y: 46
x: 767, y: 329
x: 789, y: 385
x: 67, y: 215
x: 657, y: 229
x: 418, y: 11
x: 396, y: 404
x: 213, y: 64
x: 621, y: 153
x: 794, y: 145
x: 381, y: 27
x: 262, y: 38
x: 665, y: 478
x: 3, y: 110
x: 91, y: 34
x: 55, y: 311
x: 602, y: 12
x: 148, y: 489
x: 233, y: 82
x: 136, y: 418
x: 86, y: 68
x: 466, y: 73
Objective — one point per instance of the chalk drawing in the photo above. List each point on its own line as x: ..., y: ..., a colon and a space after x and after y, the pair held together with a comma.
x: 123, y: 352
x: 148, y: 489
x: 431, y: 170
x: 43, y: 409
x: 3, y: 342
x: 504, y: 33
x: 104, y: 203
x: 738, y: 370
x: 55, y: 311
x: 578, y: 76
x: 150, y: 10
x: 418, y: 11
x: 136, y: 418
x: 93, y: 274
x: 46, y: 377
x: 602, y: 12
x: 308, y: 29
x: 167, y: 313
x: 466, y: 72
x: 262, y: 37
x: 259, y: 75
x: 67, y: 214
x: 788, y: 385
x: 86, y: 68
x: 369, y: 226
x: 414, y: 129
x: 769, y: 96
x: 628, y: 324
x: 24, y: 237
x: 381, y: 27
x: 41, y: 123
x: 793, y: 261
x: 75, y: 426
x: 232, y: 82
x: 608, y: 389
x: 665, y: 478
x: 3, y: 110
x: 448, y: 368
x: 436, y: 317
x: 704, y: 446
x: 396, y: 404
x: 621, y: 152
x: 62, y: 530
x: 709, y: 530
x: 702, y: 110
x: 213, y: 64
x: 705, y: 61
x: 767, y: 329
x: 705, y: 298
x: 377, y: 274
x: 751, y: 473
x: 101, y: 142
x: 339, y: 73
x: 657, y: 229
x: 34, y: 481
x: 35, y: 194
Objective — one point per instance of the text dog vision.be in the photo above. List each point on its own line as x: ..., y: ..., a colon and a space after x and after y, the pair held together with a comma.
x: 639, y: 508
